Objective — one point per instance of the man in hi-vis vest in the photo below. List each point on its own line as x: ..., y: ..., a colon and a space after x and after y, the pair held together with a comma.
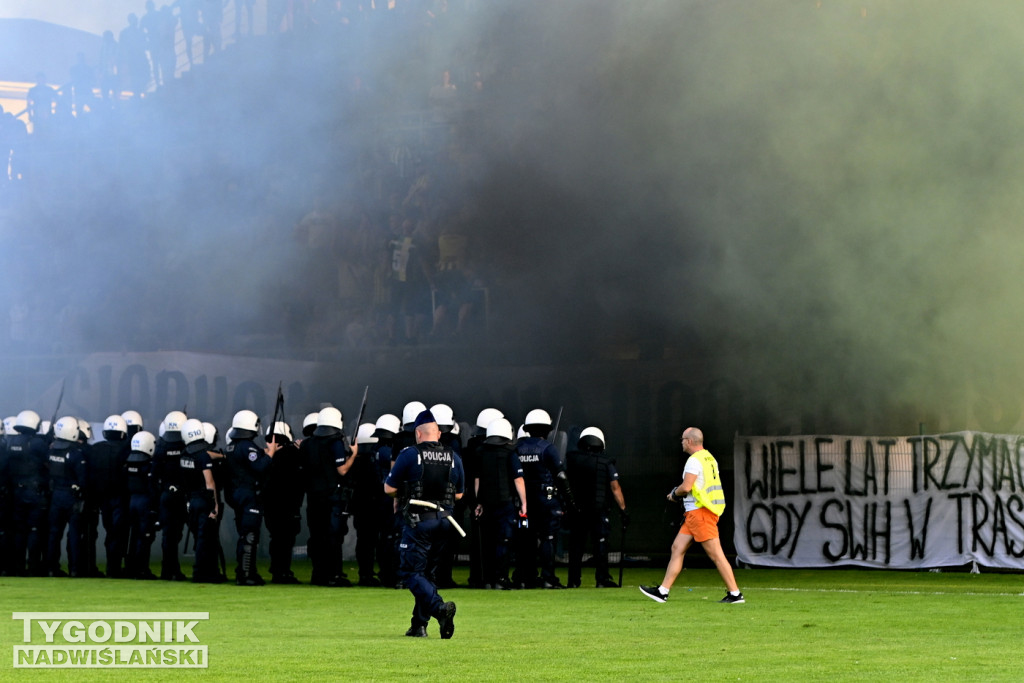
x: 704, y: 500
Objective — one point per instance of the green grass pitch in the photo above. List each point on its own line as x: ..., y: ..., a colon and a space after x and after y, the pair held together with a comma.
x: 796, y: 625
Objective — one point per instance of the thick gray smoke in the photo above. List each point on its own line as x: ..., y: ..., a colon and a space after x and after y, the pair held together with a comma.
x: 821, y: 198
x: 818, y: 198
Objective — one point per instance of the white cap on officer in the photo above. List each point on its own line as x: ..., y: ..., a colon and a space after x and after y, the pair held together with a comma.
x: 387, y: 425
x: 486, y: 416
x: 499, y: 431
x: 410, y: 411
x: 591, y: 438
x: 144, y: 442
x: 27, y: 421
x: 66, y: 428
x: 365, y: 433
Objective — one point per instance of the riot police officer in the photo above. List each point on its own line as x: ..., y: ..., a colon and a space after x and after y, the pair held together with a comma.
x: 105, y: 495
x: 501, y: 501
x: 388, y: 523
x: 201, y: 493
x: 143, y: 493
x: 366, y: 503
x: 29, y: 480
x: 594, y: 477
x: 327, y: 459
x: 470, y: 463
x: 173, y: 504
x: 248, y: 466
x: 427, y: 479
x: 445, y: 417
x: 283, y: 496
x: 66, y: 466
x: 542, y: 466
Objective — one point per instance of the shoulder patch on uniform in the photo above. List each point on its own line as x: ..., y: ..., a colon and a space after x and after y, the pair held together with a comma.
x: 253, y: 455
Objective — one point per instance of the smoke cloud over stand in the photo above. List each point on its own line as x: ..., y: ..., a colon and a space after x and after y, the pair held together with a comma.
x: 817, y: 199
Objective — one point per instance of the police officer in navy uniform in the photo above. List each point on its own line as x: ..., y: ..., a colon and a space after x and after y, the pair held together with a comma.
x: 29, y: 481
x: 106, y: 500
x: 173, y: 503
x: 201, y: 494
x: 470, y: 460
x: 501, y: 500
x: 282, y: 497
x: 66, y: 465
x: 366, y: 501
x: 248, y: 467
x: 427, y: 479
x: 450, y: 439
x: 143, y: 493
x: 388, y: 523
x: 543, y: 467
x: 594, y: 477
x: 326, y: 460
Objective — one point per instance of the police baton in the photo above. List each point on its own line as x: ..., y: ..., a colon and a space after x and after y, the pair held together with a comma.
x: 359, y: 416
x: 435, y: 506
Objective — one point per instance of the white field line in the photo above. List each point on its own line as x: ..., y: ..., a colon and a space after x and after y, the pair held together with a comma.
x: 879, y: 590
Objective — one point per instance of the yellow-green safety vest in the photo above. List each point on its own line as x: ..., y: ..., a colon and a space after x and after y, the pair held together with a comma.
x: 712, y: 496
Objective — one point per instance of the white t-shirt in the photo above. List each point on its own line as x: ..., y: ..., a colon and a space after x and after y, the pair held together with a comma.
x: 693, y: 466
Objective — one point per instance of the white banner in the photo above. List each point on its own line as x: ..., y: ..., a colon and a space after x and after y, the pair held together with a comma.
x: 886, y: 502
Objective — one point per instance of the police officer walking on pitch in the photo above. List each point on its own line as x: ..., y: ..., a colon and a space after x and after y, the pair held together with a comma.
x: 427, y: 479
x: 704, y: 500
x: 201, y: 491
x: 67, y: 484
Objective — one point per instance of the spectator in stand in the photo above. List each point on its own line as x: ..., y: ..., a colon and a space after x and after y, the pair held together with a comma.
x: 243, y: 7
x: 213, y: 24
x: 41, y: 98
x: 83, y: 78
x: 161, y: 45
x: 150, y: 25
x: 109, y: 88
x: 191, y: 26
x: 132, y: 63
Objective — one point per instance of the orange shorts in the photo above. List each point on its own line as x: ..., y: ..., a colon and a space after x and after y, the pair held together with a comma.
x: 701, y: 523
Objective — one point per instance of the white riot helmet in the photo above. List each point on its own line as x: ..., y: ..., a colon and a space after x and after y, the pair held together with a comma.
x: 387, y: 425
x: 309, y: 424
x: 173, y: 424
x: 487, y: 416
x: 537, y: 423
x: 9, y: 424
x: 245, y: 424
x: 410, y: 411
x: 115, y: 428
x: 499, y: 432
x: 281, y: 429
x: 84, y: 430
x: 365, y: 433
x: 210, y: 433
x: 192, y: 431
x: 591, y: 439
x: 444, y: 416
x: 144, y: 442
x: 27, y: 422
x: 133, y: 420
x: 330, y: 417
x: 66, y: 428
x: 521, y: 433
x: 537, y: 416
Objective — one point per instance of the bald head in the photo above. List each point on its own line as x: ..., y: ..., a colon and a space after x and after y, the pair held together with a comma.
x: 693, y: 440
x: 428, y: 431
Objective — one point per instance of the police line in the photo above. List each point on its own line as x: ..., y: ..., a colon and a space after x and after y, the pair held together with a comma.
x: 907, y: 502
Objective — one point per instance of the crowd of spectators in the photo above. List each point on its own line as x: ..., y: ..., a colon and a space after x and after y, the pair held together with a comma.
x: 303, y: 188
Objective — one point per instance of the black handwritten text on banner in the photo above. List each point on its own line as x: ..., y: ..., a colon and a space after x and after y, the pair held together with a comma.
x: 887, y: 502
